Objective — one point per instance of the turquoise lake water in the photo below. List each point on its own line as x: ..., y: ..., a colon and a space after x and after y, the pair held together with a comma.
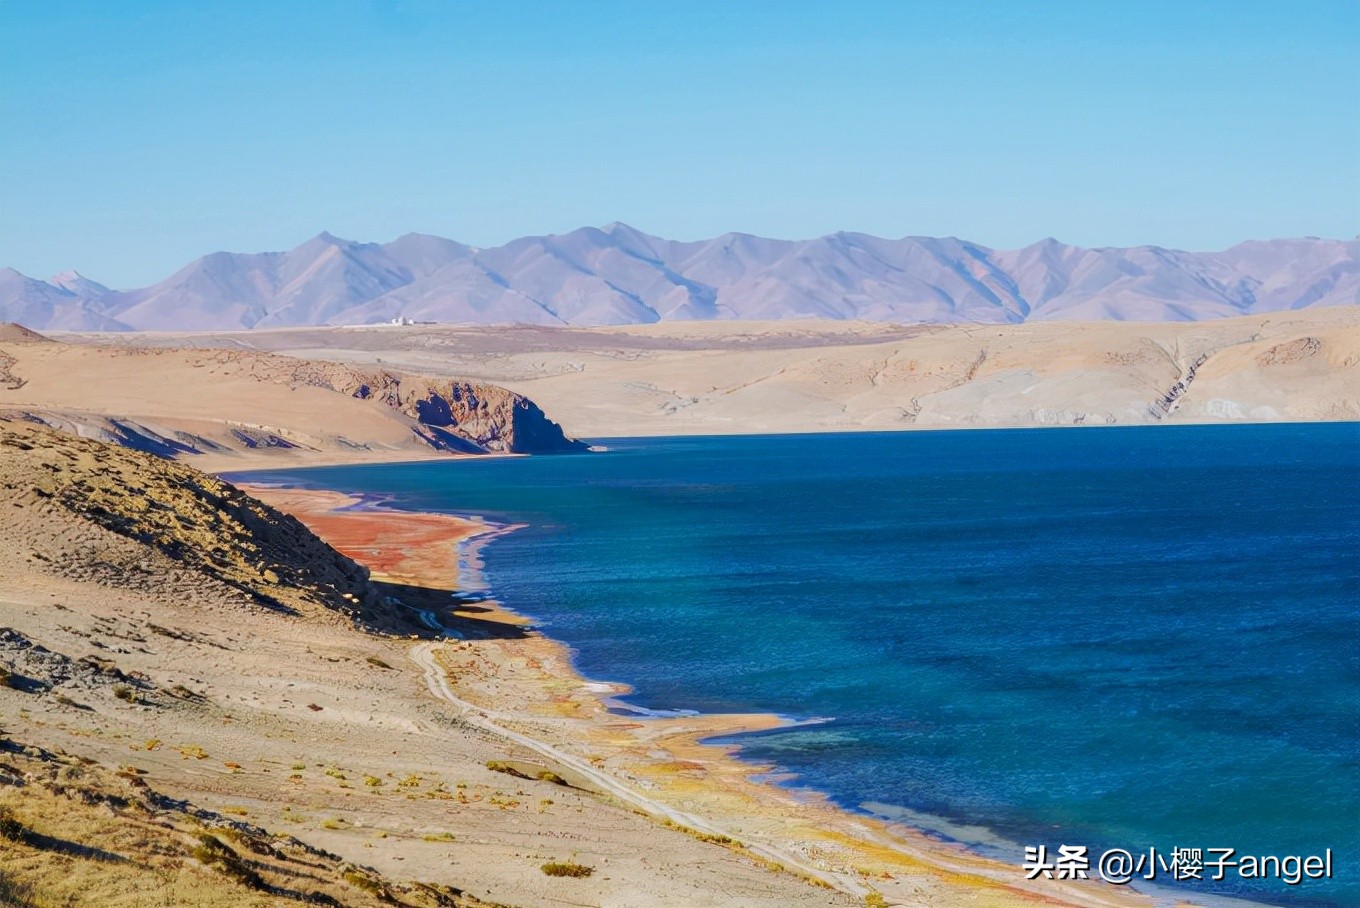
x: 1124, y: 637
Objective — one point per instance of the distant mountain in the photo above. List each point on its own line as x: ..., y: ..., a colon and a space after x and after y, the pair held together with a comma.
x: 77, y: 283
x: 618, y: 275
x: 39, y: 304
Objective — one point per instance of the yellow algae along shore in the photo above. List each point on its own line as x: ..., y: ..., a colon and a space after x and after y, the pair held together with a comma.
x: 520, y: 687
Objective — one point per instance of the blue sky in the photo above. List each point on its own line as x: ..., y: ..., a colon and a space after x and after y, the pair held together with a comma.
x: 135, y: 136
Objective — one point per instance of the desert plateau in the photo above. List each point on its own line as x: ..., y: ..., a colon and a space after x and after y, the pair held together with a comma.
x: 715, y: 378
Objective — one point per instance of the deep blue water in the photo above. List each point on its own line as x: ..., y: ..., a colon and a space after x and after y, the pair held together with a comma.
x: 1121, y: 637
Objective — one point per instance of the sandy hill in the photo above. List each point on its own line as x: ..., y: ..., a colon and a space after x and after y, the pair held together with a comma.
x: 691, y: 378
x: 79, y: 510
x: 213, y: 405
x: 18, y: 334
x: 818, y: 376
x: 108, y: 527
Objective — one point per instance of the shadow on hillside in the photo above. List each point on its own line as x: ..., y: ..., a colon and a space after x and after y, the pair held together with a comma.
x: 449, y: 610
x: 66, y: 847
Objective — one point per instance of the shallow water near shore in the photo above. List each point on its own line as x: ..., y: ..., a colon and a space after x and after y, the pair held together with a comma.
x: 1128, y: 637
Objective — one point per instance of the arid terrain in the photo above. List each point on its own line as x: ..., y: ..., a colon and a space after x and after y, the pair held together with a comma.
x: 207, y: 701
x: 215, y: 406
x: 818, y: 376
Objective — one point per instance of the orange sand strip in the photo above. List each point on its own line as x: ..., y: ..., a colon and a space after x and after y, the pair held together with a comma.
x: 420, y: 549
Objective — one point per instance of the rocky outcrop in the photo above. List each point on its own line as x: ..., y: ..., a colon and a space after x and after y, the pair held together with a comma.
x: 1291, y: 352
x: 451, y: 415
x: 490, y: 417
x: 8, y: 380
x: 1166, y: 404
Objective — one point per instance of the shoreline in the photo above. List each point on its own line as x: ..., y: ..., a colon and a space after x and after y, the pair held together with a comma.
x: 686, y: 777
x: 224, y: 466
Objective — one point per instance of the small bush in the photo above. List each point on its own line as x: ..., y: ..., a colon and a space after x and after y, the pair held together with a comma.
x: 10, y: 827
x: 715, y: 839
x: 710, y: 837
x: 360, y: 880
x: 440, y: 837
x: 546, y: 775
x: 7, y: 678
x: 875, y: 900
x: 125, y: 692
x: 567, y: 868
x: 373, y: 781
x: 12, y: 892
x: 375, y: 661
x: 213, y: 852
x: 210, y: 848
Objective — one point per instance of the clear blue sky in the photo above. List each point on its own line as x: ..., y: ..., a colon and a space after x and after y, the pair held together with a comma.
x: 135, y: 136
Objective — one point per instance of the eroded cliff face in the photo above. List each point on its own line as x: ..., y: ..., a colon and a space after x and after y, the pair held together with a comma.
x: 463, y: 415
x: 453, y: 415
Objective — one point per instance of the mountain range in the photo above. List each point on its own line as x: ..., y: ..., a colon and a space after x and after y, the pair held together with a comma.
x: 617, y: 275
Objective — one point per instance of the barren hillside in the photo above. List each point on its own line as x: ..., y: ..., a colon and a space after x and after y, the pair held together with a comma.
x: 81, y: 510
x: 817, y: 376
x: 210, y: 406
